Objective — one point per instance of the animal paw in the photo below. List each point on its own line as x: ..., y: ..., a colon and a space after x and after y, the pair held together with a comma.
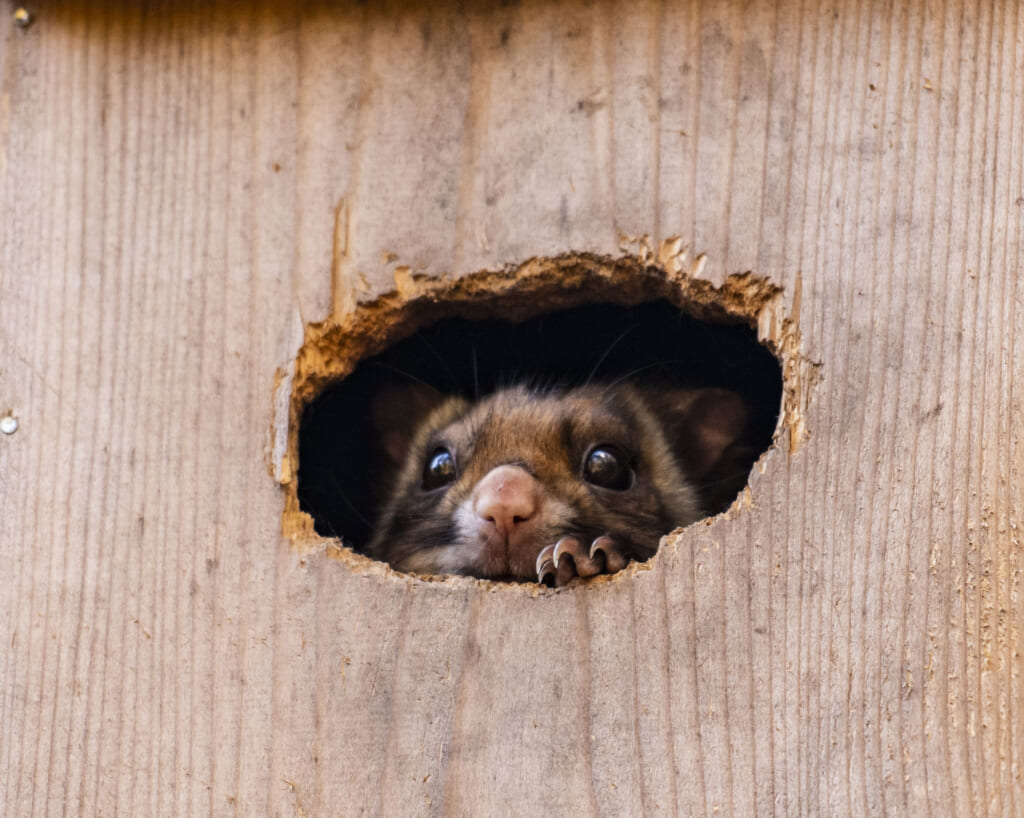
x: 568, y: 558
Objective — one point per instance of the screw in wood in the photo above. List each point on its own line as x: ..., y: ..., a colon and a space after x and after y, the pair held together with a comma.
x: 22, y: 17
x: 8, y: 424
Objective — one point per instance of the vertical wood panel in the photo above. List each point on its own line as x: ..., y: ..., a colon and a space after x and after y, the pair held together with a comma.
x: 171, y: 181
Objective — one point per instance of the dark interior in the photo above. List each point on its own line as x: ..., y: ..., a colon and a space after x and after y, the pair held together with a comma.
x: 653, y: 342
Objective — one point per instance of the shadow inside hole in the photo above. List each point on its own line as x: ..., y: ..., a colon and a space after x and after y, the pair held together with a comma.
x: 652, y: 343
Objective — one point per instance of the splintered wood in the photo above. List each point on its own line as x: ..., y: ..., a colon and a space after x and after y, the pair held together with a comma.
x: 333, y: 348
x: 188, y: 187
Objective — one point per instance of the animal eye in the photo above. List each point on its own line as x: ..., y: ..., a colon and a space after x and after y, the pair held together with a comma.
x: 440, y: 470
x: 608, y: 467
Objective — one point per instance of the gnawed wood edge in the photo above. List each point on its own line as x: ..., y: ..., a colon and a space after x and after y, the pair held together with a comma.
x: 355, y: 331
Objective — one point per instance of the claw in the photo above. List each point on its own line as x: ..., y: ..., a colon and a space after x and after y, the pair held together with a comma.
x: 567, y: 559
x: 565, y: 571
x: 598, y: 561
x: 584, y: 565
x: 545, y: 555
x: 546, y: 566
x: 614, y: 559
x: 566, y: 545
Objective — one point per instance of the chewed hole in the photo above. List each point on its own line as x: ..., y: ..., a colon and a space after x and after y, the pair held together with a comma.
x: 348, y: 478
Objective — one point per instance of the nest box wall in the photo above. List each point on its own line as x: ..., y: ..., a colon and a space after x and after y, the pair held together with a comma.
x: 189, y: 191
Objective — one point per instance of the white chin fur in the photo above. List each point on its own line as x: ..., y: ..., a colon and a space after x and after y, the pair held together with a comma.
x: 471, y: 553
x: 457, y: 558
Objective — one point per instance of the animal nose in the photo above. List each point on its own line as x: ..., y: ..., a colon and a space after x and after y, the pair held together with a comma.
x: 506, y: 498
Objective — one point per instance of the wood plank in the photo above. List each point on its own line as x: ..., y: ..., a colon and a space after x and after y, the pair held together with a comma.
x: 184, y: 186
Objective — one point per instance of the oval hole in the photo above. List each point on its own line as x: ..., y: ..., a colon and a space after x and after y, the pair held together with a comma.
x: 652, y: 343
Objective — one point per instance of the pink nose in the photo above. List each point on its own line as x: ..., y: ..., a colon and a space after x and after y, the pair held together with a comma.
x: 506, y: 498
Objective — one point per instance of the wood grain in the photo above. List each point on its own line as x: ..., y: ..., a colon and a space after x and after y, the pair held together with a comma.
x: 171, y: 177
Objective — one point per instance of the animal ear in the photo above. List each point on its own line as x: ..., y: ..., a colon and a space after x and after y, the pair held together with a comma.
x: 396, y: 411
x: 706, y: 429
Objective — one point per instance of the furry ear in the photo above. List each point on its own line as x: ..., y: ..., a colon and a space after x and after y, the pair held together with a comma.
x: 396, y: 412
x: 707, y: 431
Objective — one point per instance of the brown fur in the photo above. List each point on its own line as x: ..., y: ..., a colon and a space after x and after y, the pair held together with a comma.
x: 548, y: 434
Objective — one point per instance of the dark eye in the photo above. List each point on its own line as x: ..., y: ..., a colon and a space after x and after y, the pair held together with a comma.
x: 608, y: 467
x: 440, y: 470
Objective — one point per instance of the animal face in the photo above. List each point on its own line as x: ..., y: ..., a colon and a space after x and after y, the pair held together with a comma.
x: 483, y: 489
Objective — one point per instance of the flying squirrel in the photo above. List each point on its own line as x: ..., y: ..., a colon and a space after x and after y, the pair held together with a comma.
x: 547, y: 485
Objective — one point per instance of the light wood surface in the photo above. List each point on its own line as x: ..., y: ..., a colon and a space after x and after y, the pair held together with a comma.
x: 182, y: 187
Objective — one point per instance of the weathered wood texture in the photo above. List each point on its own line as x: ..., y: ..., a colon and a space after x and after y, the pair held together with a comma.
x: 170, y: 180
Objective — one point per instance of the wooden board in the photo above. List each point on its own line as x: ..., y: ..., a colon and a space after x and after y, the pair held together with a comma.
x: 181, y: 186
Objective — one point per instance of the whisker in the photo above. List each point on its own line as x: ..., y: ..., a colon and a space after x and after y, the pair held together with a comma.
x: 608, y: 352
x: 630, y: 374
x: 403, y: 373
x: 476, y: 380
x: 440, y: 359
